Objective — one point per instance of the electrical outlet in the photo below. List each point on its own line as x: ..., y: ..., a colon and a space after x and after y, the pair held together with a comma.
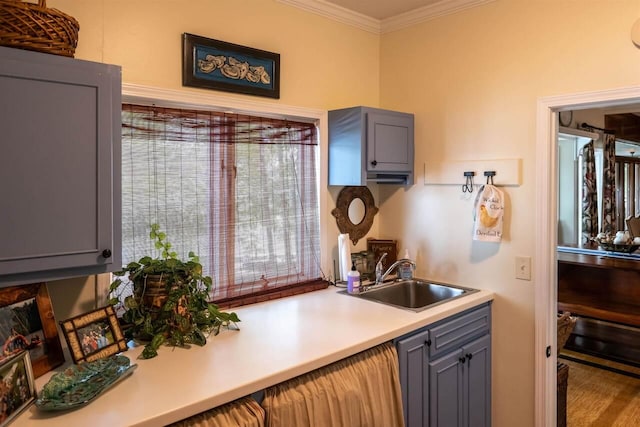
x: 523, y: 267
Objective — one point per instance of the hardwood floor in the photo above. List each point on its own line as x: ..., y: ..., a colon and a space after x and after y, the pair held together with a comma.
x: 604, y: 396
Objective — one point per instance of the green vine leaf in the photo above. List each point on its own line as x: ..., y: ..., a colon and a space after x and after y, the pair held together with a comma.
x: 114, y: 285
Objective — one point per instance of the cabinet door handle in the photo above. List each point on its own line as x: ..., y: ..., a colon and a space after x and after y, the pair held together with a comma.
x: 428, y: 343
x: 106, y: 253
x: 469, y: 356
x: 462, y: 359
x: 374, y: 162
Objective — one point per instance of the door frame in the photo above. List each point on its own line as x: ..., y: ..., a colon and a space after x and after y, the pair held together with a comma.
x: 546, y: 291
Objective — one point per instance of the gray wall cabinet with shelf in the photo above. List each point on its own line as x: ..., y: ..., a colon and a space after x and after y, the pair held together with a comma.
x: 370, y: 145
x: 445, y: 371
x: 59, y: 168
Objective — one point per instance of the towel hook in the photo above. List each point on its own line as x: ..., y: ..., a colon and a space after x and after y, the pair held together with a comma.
x: 468, y: 182
x: 489, y: 175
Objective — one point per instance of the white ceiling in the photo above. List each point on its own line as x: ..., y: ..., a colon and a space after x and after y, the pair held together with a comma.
x: 383, y: 9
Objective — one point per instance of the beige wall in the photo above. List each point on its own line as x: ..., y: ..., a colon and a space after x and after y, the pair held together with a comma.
x: 472, y: 79
x: 324, y: 64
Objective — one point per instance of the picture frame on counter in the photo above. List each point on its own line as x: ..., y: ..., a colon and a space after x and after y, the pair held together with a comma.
x: 17, y: 386
x: 382, y: 246
x: 94, y: 335
x: 219, y: 65
x: 27, y: 323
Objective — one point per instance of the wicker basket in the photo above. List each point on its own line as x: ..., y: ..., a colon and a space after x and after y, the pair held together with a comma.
x: 566, y: 323
x: 33, y: 26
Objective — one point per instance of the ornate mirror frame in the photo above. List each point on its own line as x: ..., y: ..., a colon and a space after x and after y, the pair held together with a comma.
x: 341, y: 212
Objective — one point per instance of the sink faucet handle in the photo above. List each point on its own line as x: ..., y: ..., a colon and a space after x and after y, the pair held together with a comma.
x: 379, y: 267
x: 384, y: 254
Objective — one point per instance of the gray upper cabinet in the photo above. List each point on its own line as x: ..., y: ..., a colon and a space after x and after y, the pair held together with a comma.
x: 59, y: 167
x: 370, y: 145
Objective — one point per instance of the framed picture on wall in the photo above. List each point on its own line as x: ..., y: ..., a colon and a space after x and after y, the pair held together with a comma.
x: 94, y: 335
x: 214, y: 64
x: 27, y: 323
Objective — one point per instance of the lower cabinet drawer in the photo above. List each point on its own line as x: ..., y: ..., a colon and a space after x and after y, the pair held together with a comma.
x: 456, y: 332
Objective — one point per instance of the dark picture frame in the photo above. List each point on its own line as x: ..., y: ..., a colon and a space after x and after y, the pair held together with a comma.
x: 94, y: 335
x: 214, y: 64
x: 27, y: 323
x: 17, y: 386
x: 381, y: 246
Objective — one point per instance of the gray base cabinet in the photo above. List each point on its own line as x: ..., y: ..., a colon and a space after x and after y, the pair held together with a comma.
x: 59, y: 168
x: 370, y: 144
x: 445, y: 372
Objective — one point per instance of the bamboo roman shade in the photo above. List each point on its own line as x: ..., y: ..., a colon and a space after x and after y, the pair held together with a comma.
x: 238, y: 190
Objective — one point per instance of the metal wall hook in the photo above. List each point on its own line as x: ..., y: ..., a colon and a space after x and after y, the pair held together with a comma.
x: 489, y: 175
x: 468, y: 182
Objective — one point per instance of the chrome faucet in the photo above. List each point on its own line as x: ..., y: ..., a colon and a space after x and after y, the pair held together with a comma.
x: 379, y: 268
x: 380, y: 276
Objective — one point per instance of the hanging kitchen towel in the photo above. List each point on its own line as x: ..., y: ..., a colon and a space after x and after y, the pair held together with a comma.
x: 487, y: 211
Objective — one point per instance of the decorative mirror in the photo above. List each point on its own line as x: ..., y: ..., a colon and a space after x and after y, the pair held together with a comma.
x: 354, y: 212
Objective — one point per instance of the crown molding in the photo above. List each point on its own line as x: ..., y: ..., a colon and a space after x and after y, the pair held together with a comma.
x: 427, y: 13
x: 337, y: 13
x: 377, y: 26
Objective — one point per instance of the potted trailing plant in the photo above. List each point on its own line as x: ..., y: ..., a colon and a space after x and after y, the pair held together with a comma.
x: 169, y: 303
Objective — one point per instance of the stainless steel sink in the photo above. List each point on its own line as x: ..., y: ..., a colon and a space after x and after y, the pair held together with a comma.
x: 414, y: 294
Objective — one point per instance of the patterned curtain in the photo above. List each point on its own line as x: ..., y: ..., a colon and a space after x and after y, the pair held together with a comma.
x: 609, y: 184
x: 589, y: 194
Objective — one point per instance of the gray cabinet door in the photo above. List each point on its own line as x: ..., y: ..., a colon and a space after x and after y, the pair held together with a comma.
x: 477, y: 389
x: 414, y: 378
x: 460, y: 386
x: 446, y: 385
x: 389, y: 142
x: 59, y: 168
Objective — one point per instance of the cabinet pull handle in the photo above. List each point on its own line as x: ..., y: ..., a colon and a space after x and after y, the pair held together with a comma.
x: 428, y: 343
x: 469, y: 356
x: 106, y: 253
x: 374, y: 162
x: 462, y: 359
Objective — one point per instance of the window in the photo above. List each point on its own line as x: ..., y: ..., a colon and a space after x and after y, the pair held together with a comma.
x: 238, y: 190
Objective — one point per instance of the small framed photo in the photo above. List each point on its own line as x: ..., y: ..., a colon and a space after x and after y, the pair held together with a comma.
x: 214, y: 64
x: 17, y: 386
x: 94, y: 335
x: 27, y: 323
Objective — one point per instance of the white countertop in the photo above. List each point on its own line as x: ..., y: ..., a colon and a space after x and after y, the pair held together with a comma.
x: 278, y: 340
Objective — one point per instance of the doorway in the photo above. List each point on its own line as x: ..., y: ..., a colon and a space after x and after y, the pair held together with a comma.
x: 546, y: 230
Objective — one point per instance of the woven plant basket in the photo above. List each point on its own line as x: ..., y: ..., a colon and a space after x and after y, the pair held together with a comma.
x: 33, y: 26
